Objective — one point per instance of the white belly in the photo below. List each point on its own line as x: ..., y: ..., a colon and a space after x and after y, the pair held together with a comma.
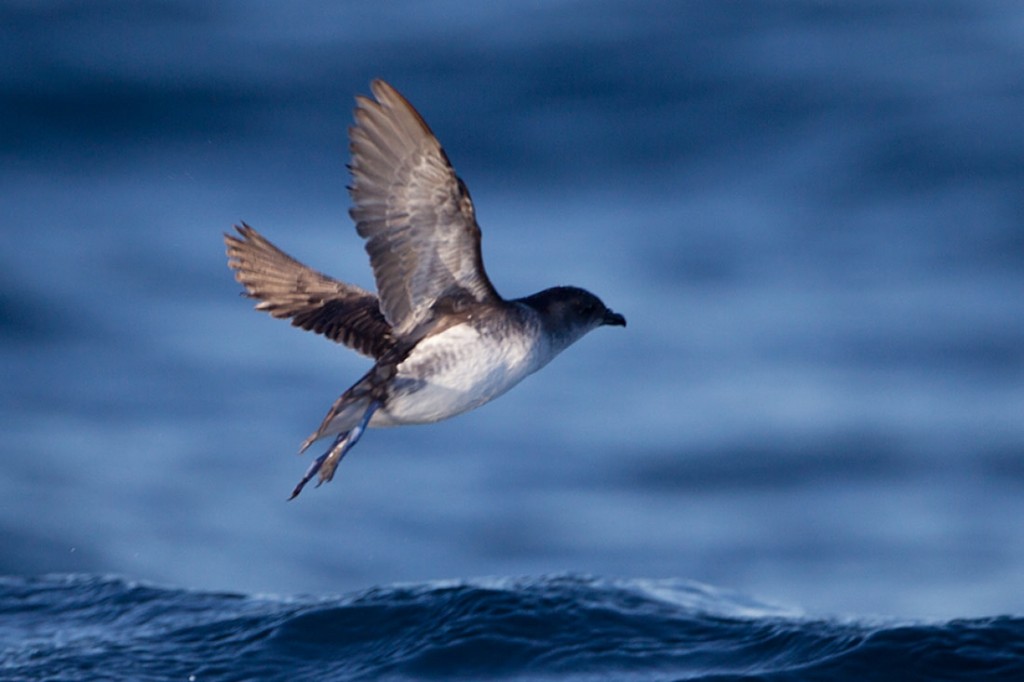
x: 456, y: 371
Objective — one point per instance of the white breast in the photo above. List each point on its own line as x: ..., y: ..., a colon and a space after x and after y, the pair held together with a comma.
x: 458, y: 370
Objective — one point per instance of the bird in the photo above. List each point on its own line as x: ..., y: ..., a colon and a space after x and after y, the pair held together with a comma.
x: 442, y: 339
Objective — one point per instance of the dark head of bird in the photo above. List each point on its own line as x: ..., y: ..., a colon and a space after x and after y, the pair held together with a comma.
x: 569, y: 313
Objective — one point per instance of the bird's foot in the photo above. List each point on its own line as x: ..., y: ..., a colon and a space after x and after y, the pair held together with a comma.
x: 327, y: 463
x: 313, y: 468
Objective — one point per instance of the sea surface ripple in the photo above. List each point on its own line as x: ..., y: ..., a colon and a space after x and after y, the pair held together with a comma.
x: 77, y: 627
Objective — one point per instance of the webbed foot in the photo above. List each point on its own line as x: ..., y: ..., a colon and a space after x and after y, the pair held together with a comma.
x: 327, y: 463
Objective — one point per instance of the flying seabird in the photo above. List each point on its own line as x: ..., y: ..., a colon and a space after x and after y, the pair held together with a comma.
x: 445, y: 342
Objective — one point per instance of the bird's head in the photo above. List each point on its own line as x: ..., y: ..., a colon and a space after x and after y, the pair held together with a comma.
x: 568, y: 313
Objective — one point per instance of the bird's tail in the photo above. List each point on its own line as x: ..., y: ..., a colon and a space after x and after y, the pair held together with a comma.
x: 344, y: 415
x: 348, y: 410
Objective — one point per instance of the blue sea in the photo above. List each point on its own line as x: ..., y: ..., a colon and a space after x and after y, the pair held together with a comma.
x: 803, y: 459
x: 547, y: 628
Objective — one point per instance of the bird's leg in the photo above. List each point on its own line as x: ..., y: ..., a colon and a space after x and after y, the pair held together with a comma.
x: 341, y: 448
x: 326, y: 463
x: 315, y: 466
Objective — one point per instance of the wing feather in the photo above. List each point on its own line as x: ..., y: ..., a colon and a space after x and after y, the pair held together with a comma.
x: 313, y: 301
x: 415, y: 213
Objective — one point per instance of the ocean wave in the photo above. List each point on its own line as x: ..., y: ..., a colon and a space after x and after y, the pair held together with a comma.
x: 76, y: 627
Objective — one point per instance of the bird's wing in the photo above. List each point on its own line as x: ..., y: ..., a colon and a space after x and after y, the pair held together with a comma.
x: 288, y: 289
x: 414, y: 212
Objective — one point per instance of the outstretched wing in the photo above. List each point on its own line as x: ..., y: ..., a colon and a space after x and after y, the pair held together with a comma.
x: 414, y: 212
x: 288, y: 289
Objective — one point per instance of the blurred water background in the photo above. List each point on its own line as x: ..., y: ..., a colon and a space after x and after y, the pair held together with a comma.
x: 812, y: 215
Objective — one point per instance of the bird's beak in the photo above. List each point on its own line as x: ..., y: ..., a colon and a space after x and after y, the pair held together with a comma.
x: 614, y: 319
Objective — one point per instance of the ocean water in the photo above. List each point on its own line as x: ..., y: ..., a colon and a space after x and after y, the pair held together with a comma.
x: 810, y: 213
x: 546, y: 628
